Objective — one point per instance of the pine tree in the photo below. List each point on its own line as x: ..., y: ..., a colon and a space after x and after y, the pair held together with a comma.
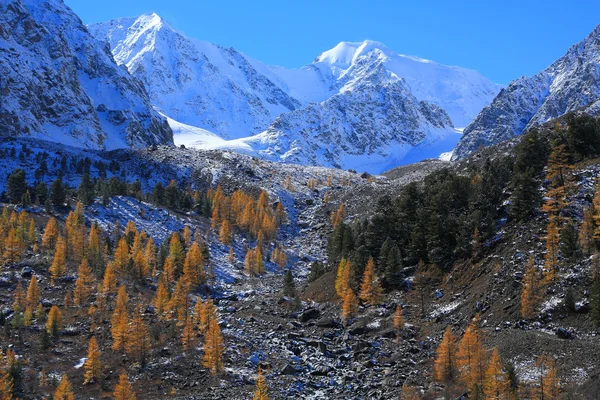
x: 398, y: 321
x: 84, y: 285
x: 137, y: 341
x: 496, y: 385
x: 93, y: 365
x: 370, y: 290
x: 123, y: 390
x: 16, y: 186
x: 85, y: 191
x: 445, y: 364
x: 350, y: 306
x: 63, y: 390
x: 54, y: 322
x: 531, y: 293
x: 58, y: 194
x: 50, y: 237
x: 261, y: 391
x: 289, y: 288
x: 213, y: 348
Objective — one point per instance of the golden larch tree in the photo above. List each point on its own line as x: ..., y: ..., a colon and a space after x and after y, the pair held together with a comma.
x: 93, y: 364
x: 225, y: 233
x: 59, y: 262
x: 50, y: 236
x: 342, y: 280
x: 398, y: 321
x: 496, y: 385
x: 119, y: 320
x: 64, y: 391
x: 261, y: 391
x: 137, y: 342
x: 84, y: 285
x: 552, y: 246
x: 350, y: 306
x: 532, y: 289
x: 370, y: 289
x: 188, y: 334
x: 121, y: 255
x: 123, y: 389
x: 213, y: 348
x: 162, y: 296
x: 54, y: 322
x: 444, y: 366
x: 193, y: 266
x: 33, y: 292
x: 109, y: 283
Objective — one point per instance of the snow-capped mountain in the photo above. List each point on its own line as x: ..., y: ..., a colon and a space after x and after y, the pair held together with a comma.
x: 355, y: 100
x: 196, y: 82
x: 570, y: 83
x: 59, y: 83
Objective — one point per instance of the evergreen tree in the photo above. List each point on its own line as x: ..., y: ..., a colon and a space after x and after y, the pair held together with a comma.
x: 289, y: 288
x: 16, y: 186
x: 58, y: 193
x: 85, y: 191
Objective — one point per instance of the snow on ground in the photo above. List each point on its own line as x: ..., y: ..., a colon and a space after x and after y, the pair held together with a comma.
x: 445, y: 309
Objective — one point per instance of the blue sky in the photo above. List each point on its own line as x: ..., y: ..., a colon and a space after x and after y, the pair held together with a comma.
x: 501, y: 39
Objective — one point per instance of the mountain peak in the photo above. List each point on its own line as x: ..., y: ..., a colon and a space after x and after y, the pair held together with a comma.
x: 345, y: 53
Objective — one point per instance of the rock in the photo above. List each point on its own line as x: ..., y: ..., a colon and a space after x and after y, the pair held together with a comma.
x: 358, y: 328
x: 289, y: 370
x: 563, y: 333
x: 320, y: 371
x: 309, y: 314
x: 326, y: 322
x: 26, y: 272
x: 318, y: 344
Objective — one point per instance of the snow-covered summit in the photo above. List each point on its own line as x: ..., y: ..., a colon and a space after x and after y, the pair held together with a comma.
x: 570, y: 83
x: 59, y: 83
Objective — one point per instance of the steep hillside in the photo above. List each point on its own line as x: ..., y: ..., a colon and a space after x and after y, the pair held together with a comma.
x: 60, y: 84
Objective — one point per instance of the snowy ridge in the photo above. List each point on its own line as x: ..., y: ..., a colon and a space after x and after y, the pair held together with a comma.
x: 313, y: 115
x: 570, y: 83
x: 61, y: 84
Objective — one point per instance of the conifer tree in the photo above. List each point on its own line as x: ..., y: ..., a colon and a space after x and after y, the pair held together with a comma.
x: 162, y: 296
x: 261, y: 391
x: 177, y: 308
x: 547, y: 385
x: 398, y: 321
x: 176, y: 254
x: 350, y: 306
x: 59, y: 266
x: 213, y: 348
x: 531, y: 293
x: 119, y: 320
x: 552, y: 246
x: 123, y: 390
x: 193, y: 266
x: 470, y: 356
x: 93, y: 365
x: 54, y: 322
x: 6, y: 385
x: 12, y: 247
x: 84, y: 285
x: 445, y: 364
x: 496, y: 385
x: 188, y: 335
x: 50, y: 237
x: 370, y: 290
x: 289, y: 288
x: 19, y: 298
x: 109, y: 282
x: 137, y: 341
x: 33, y: 293
x: 63, y: 390
x: 225, y: 233
x: 121, y: 256
x: 586, y: 231
x: 95, y: 252
x: 342, y: 281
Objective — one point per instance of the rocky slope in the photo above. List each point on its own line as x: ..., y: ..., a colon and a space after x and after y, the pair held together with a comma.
x: 228, y: 95
x: 61, y: 84
x: 570, y: 83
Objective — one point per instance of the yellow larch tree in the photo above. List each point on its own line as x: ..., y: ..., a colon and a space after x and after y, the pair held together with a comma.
x: 119, y: 320
x: 162, y: 296
x: 532, y: 289
x: 123, y: 389
x: 193, y: 266
x: 33, y: 292
x: 370, y: 289
x: 176, y: 255
x: 64, y: 391
x: 177, y: 307
x: 54, y: 322
x: 121, y: 255
x: 261, y: 391
x: 137, y: 342
x: 109, y: 282
x: 444, y: 366
x: 496, y: 385
x: 350, y: 306
x: 552, y: 246
x: 225, y: 233
x: 95, y: 253
x: 93, y: 364
x: 586, y: 231
x: 213, y: 348
x: 188, y: 334
x: 342, y: 280
x: 50, y: 236
x: 398, y: 321
x: 84, y: 285
x: 59, y: 262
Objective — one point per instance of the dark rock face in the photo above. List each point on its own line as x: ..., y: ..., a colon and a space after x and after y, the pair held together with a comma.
x: 310, y: 314
x: 570, y: 83
x: 60, y: 84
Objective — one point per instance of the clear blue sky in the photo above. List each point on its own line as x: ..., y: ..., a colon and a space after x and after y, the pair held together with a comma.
x: 501, y: 39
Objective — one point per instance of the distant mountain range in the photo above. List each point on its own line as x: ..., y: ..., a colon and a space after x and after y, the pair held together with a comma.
x: 358, y: 105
